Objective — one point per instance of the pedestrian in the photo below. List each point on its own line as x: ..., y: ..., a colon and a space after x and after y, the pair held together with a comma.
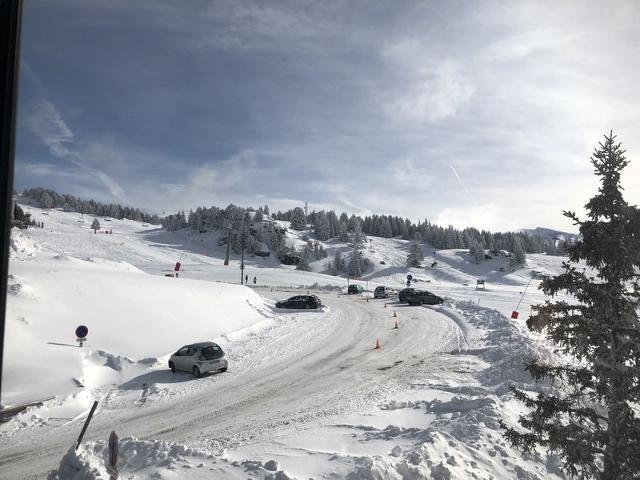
x: 255, y: 280
x: 246, y: 278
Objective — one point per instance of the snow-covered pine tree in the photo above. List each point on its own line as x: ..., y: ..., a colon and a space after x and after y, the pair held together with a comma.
x: 95, y: 226
x: 476, y: 252
x: 322, y: 227
x: 303, y: 264
x: 519, y: 258
x: 415, y: 257
x: 298, y: 219
x: 358, y: 237
x: 338, y: 262
x: 46, y: 201
x: 385, y: 228
x: 343, y: 231
x: 355, y: 268
x: 592, y: 422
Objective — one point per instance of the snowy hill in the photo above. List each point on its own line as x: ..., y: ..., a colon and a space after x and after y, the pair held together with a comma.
x: 131, y: 315
x: 550, y: 233
x: 425, y: 405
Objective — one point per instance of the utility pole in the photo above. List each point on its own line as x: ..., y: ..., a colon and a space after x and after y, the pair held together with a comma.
x: 227, y: 225
x: 242, y: 254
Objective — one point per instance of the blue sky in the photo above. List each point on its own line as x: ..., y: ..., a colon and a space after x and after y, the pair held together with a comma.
x: 470, y: 113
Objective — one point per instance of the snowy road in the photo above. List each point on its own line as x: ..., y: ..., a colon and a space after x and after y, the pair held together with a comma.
x: 302, y: 368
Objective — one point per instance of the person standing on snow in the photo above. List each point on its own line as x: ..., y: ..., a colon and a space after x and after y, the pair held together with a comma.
x: 246, y: 278
x: 255, y: 280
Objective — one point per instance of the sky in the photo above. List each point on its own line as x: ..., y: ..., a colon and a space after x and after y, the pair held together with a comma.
x: 467, y: 113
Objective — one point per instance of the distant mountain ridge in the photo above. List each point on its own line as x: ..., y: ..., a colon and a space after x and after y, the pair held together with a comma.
x: 550, y: 233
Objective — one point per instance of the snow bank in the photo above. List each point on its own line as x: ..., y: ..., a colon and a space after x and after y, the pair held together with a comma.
x: 21, y: 247
x: 464, y: 437
x: 144, y: 459
x: 136, y: 460
x: 130, y: 315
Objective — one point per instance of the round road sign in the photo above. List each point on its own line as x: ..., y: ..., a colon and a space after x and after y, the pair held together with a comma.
x: 409, y: 277
x: 82, y: 331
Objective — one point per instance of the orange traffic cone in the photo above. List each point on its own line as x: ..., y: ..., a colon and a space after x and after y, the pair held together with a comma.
x: 377, y: 347
x: 396, y: 326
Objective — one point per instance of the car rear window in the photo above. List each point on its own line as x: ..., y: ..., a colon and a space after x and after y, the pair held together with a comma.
x: 211, y: 352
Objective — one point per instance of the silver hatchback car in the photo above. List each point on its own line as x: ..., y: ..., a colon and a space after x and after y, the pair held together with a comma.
x: 199, y: 358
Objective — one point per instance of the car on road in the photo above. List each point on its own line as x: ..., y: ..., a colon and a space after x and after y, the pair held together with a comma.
x: 303, y: 302
x: 422, y: 297
x: 383, y: 292
x: 404, y: 293
x: 199, y: 358
x: 355, y: 289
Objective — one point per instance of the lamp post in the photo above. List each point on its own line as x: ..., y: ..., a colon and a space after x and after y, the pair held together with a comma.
x: 242, y: 253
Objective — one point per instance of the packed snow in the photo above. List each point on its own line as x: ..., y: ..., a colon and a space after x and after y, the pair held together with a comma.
x: 306, y: 394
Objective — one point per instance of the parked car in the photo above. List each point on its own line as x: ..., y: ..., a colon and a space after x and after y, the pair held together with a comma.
x: 355, y: 289
x: 402, y: 296
x: 301, y: 302
x: 422, y: 297
x: 383, y: 292
x: 199, y: 358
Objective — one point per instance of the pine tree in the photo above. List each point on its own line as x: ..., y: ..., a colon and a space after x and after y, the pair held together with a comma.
x: 95, y: 226
x: 591, y: 423
x: 415, y: 257
x: 358, y: 237
x: 322, y: 227
x: 298, y: 219
x: 46, y: 200
x: 303, y: 264
x: 519, y: 258
x: 476, y: 252
x: 338, y: 262
x: 343, y: 232
x: 355, y: 267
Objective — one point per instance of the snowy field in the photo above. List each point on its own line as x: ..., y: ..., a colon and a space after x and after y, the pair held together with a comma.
x: 306, y: 394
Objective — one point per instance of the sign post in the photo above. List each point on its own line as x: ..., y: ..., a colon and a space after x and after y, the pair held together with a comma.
x: 86, y: 423
x: 81, y: 334
x: 112, y: 465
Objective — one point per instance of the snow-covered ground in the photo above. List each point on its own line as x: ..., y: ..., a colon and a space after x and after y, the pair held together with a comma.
x: 306, y: 394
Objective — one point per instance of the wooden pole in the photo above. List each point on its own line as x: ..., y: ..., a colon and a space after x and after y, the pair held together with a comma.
x: 86, y: 423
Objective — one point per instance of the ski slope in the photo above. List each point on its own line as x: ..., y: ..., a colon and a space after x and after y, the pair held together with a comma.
x: 306, y: 394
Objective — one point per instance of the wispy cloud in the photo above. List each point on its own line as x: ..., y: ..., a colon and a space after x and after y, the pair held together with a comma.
x: 46, y: 121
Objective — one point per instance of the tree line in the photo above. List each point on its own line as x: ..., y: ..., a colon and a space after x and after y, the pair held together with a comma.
x: 327, y: 225
x: 46, y: 198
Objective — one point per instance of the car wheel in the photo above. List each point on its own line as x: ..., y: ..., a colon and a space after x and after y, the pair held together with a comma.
x: 172, y: 366
x: 196, y: 372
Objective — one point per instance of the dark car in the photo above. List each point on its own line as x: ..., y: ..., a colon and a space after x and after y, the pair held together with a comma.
x: 355, y: 289
x: 404, y: 293
x: 422, y: 297
x: 302, y: 302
